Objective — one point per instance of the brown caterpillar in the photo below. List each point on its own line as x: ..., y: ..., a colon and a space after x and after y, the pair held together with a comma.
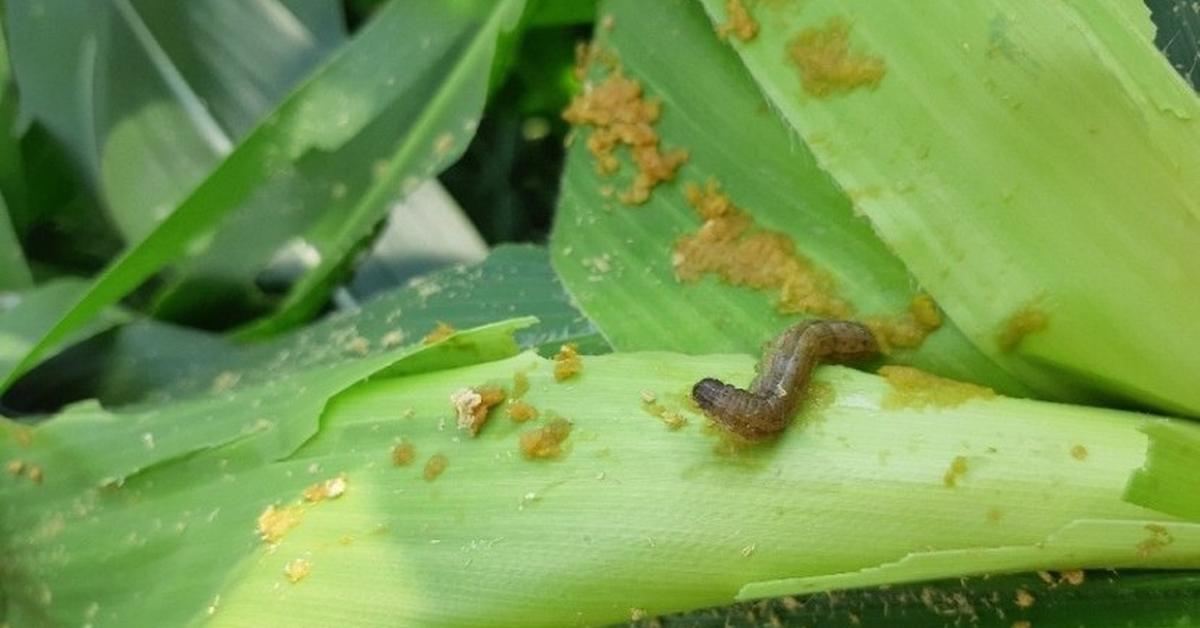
x: 767, y: 407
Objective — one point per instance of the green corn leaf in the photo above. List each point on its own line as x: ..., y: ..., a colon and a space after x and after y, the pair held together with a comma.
x: 150, y: 96
x: 500, y: 540
x: 149, y: 361
x: 27, y: 315
x: 617, y: 260
x: 1016, y: 206
x: 14, y: 272
x: 1168, y: 481
x: 418, y: 140
x: 353, y: 82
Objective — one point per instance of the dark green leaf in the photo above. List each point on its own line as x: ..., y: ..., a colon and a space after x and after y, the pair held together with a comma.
x: 148, y: 360
x: 1178, y: 35
x: 25, y: 317
x: 149, y: 95
x: 1104, y: 599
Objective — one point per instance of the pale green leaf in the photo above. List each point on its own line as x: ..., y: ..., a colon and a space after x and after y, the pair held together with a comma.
x: 1046, y: 165
x: 632, y: 518
x: 1168, y: 481
x: 617, y: 260
x: 25, y: 317
x: 401, y: 149
x: 354, y: 84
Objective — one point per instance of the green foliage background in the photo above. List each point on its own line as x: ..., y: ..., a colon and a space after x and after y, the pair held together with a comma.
x: 225, y: 228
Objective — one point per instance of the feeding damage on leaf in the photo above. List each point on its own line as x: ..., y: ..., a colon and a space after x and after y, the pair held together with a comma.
x: 738, y: 22
x: 827, y: 64
x: 913, y: 388
x: 730, y: 245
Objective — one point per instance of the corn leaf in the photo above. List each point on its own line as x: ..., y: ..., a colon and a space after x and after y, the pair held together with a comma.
x: 149, y: 361
x: 412, y: 141
x: 150, y: 96
x: 14, y: 272
x: 1168, y: 481
x: 617, y: 260
x: 27, y: 315
x: 352, y: 84
x: 1017, y: 208
x: 699, y: 524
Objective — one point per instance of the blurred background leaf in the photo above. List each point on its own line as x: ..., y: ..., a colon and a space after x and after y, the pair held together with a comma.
x: 149, y: 96
x: 14, y: 272
x: 25, y: 317
x: 412, y: 140
x: 366, y: 91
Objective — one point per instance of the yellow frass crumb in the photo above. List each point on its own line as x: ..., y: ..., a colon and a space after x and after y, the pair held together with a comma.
x: 443, y: 144
x: 958, y: 468
x: 392, y: 338
x: 224, y: 381
x: 730, y: 246
x: 434, y: 467
x: 672, y: 419
x: 914, y: 388
x: 908, y: 330
x: 620, y: 116
x: 402, y: 453
x: 520, y: 411
x: 1024, y: 599
x: 567, y: 363
x: 1023, y: 322
x: 520, y: 384
x: 473, y: 405
x: 35, y: 474
x: 296, y: 570
x: 439, y: 333
x: 738, y: 21
x: 274, y: 522
x: 357, y: 345
x: 1159, y: 538
x: 22, y: 435
x: 332, y: 488
x: 15, y: 467
x: 546, y: 441
x: 827, y: 64
x: 1073, y: 577
x: 1079, y: 452
x: 1022, y: 623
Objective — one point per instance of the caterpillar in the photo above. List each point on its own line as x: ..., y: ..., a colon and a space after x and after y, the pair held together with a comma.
x: 766, y: 408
